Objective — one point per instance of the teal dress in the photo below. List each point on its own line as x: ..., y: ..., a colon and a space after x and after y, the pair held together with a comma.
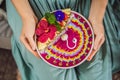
x: 101, y: 67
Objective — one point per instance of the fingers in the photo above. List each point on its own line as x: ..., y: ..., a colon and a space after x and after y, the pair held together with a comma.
x: 94, y: 51
x: 97, y: 40
x: 91, y: 55
x: 100, y: 43
x: 31, y: 42
x: 27, y: 45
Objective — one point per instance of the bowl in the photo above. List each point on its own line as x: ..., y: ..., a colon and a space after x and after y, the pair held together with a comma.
x: 64, y: 38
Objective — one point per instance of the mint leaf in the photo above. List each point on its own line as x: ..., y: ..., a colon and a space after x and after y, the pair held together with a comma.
x: 58, y: 26
x: 50, y: 18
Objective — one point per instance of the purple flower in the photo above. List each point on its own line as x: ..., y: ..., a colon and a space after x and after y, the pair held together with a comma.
x: 59, y: 15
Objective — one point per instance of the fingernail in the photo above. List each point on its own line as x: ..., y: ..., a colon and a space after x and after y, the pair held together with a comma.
x: 89, y: 59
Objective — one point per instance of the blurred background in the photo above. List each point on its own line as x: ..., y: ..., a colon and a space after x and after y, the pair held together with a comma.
x: 8, y: 67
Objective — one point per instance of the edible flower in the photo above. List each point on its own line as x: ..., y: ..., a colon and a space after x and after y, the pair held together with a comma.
x: 59, y: 15
x: 45, y: 31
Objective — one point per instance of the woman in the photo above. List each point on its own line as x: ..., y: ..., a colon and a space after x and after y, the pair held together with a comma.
x: 23, y: 16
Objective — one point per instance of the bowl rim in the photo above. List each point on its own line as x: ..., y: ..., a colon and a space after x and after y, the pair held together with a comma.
x: 84, y: 58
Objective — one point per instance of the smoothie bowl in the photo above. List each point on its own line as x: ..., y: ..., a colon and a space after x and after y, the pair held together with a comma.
x: 64, y: 38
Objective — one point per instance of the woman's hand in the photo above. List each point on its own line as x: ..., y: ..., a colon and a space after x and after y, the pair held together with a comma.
x: 96, y: 15
x: 27, y: 35
x: 98, y: 30
x: 29, y: 21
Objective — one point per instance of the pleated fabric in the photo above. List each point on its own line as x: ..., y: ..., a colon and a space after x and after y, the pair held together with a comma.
x: 101, y: 67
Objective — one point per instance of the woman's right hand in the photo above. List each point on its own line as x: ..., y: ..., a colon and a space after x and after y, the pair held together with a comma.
x: 28, y: 34
x: 29, y: 21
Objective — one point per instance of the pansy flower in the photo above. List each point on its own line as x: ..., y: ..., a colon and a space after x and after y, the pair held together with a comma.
x: 45, y: 31
x: 59, y: 15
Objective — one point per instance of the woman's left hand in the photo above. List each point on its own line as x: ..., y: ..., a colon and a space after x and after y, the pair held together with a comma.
x: 98, y: 30
x: 96, y: 16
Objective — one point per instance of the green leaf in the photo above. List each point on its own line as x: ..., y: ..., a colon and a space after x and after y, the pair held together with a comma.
x: 58, y: 26
x: 50, y: 18
x: 47, y: 15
